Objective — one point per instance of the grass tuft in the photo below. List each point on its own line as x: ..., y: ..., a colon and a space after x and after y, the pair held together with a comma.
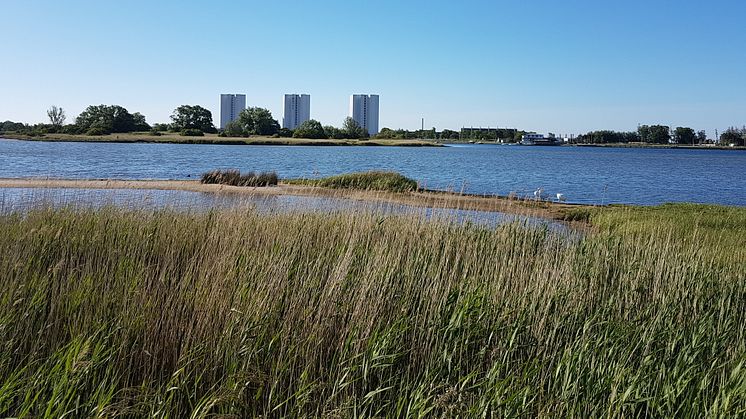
x: 373, y: 181
x: 235, y: 178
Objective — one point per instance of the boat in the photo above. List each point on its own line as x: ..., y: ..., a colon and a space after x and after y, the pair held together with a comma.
x: 533, y: 138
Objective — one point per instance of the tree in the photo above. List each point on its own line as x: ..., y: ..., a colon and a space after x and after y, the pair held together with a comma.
x: 656, y: 134
x: 333, y: 132
x: 234, y: 129
x: 138, y: 121
x: 193, y: 117
x: 701, y: 137
x: 258, y: 121
x: 56, y: 117
x: 309, y: 129
x: 352, y: 129
x: 106, y: 119
x: 735, y: 136
x: 684, y: 135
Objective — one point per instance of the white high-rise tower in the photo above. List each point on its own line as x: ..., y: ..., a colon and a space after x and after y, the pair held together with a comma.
x: 230, y: 107
x: 364, y: 110
x: 297, y: 110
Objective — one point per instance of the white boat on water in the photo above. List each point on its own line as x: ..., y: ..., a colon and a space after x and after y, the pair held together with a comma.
x: 533, y: 138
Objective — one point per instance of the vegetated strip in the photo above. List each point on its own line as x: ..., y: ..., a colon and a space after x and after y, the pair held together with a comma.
x: 127, y: 313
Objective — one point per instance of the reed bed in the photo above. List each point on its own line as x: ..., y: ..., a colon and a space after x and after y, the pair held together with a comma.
x: 371, y: 181
x: 115, y: 312
x: 234, y: 177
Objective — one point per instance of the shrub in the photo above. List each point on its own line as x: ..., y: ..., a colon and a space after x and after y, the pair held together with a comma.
x: 155, y: 133
x: 234, y: 177
x: 71, y: 129
x: 96, y: 131
x: 192, y: 132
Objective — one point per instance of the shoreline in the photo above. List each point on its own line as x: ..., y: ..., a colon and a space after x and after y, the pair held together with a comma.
x: 426, y: 199
x: 214, y: 139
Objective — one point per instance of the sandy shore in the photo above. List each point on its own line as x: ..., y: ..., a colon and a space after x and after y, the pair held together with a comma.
x: 555, y: 211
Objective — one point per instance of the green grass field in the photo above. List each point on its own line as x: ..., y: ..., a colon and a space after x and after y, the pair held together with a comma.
x: 171, y: 314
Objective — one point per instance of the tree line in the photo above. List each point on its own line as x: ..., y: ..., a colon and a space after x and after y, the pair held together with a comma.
x: 650, y: 134
x: 195, y: 120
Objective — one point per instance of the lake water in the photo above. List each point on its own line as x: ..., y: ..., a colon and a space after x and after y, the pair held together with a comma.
x: 20, y: 200
x: 583, y: 175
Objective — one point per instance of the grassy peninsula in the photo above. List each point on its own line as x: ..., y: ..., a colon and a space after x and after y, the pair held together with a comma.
x: 175, y: 138
x: 119, y: 312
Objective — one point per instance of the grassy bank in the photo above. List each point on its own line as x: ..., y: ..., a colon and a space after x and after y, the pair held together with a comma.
x: 114, y: 312
x: 365, y: 181
x: 171, y: 138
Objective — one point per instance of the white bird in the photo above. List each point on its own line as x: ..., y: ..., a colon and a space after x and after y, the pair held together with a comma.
x: 561, y: 197
x: 538, y: 193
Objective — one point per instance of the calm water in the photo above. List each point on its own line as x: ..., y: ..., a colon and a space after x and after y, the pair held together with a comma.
x: 583, y: 175
x: 14, y: 200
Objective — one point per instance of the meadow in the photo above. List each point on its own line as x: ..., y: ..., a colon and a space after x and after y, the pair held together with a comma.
x: 233, y: 313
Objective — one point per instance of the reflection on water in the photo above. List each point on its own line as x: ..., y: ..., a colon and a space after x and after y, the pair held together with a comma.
x: 19, y: 200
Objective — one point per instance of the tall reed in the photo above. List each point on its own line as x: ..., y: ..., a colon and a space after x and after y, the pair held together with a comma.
x: 159, y: 313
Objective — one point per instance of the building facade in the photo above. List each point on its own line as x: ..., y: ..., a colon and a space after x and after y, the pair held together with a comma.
x: 230, y: 107
x: 297, y: 110
x: 364, y: 110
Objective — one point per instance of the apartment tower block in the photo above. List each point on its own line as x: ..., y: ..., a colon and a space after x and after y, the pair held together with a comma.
x: 364, y: 110
x: 297, y: 110
x: 230, y: 106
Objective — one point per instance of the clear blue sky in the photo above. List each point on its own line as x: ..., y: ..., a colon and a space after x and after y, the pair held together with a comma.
x: 561, y: 66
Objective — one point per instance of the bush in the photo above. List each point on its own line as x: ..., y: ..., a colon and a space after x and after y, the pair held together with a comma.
x: 234, y: 177
x: 96, y: 131
x: 155, y: 133
x: 71, y: 129
x: 192, y: 132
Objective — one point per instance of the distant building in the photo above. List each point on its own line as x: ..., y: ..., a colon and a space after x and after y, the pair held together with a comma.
x: 364, y: 110
x: 297, y: 110
x: 230, y: 107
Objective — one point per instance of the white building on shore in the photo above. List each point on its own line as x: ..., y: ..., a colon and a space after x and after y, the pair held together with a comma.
x: 231, y: 106
x: 297, y: 110
x: 364, y: 110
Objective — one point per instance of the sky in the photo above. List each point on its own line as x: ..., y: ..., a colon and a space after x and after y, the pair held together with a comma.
x: 565, y: 67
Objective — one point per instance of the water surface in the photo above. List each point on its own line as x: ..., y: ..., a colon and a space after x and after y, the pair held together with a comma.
x: 583, y: 175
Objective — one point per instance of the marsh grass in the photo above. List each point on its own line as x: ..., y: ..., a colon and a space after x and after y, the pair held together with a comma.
x: 372, y: 181
x: 116, y: 312
x: 234, y: 177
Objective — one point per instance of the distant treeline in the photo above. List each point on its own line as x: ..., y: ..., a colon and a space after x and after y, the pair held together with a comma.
x: 661, y: 134
x: 194, y: 120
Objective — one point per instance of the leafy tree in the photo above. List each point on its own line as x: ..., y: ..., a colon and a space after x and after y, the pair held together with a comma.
x: 352, y: 129
x: 735, y: 136
x: 56, y: 117
x: 701, y: 137
x: 13, y: 126
x: 333, y: 132
x: 606, y: 137
x: 192, y: 117
x: 448, y: 134
x: 285, y: 132
x: 656, y: 134
x: 106, y: 119
x: 234, y: 129
x: 684, y: 135
x: 258, y: 121
x: 139, y: 123
x: 309, y: 129
x: 160, y: 127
